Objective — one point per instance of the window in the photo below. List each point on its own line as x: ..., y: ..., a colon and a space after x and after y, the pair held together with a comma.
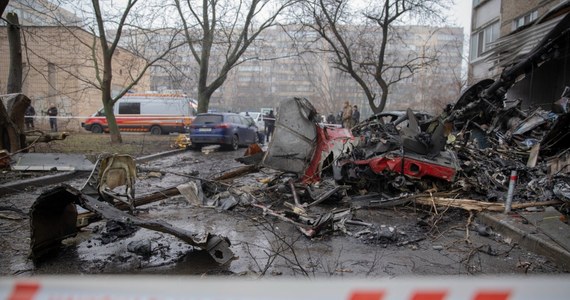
x: 524, y: 20
x: 234, y: 119
x: 208, y: 119
x: 130, y: 108
x: 481, y: 40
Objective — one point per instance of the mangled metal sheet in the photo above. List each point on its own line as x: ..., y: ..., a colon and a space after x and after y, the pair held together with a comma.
x: 508, y: 49
x: 54, y: 218
x: 412, y: 165
x: 332, y: 143
x: 302, y: 146
x: 294, y: 138
x: 558, y: 138
x: 51, y: 161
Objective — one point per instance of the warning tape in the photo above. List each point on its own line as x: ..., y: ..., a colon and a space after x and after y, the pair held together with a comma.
x: 116, y: 116
x: 193, y: 288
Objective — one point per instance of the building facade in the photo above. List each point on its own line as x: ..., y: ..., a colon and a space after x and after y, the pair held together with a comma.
x: 505, y: 32
x: 58, y: 68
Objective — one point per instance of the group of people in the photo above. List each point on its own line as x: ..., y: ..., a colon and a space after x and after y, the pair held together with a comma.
x: 30, y: 113
x: 348, y: 117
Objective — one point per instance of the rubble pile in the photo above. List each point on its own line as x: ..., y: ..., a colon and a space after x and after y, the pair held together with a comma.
x: 464, y: 159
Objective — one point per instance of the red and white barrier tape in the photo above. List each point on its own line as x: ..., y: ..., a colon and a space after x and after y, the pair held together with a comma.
x: 142, y: 287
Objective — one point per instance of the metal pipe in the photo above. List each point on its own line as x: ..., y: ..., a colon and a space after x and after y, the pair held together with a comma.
x: 512, y: 183
x: 294, y: 192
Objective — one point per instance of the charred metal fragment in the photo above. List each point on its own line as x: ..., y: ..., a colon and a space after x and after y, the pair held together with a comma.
x: 301, y: 145
x: 57, y: 207
x: 53, y: 218
x: 483, y: 104
x: 558, y: 138
x: 378, y: 200
x: 326, y: 195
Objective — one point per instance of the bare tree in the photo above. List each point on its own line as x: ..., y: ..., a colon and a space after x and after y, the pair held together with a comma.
x: 362, y: 47
x: 108, y: 51
x: 218, y: 33
x: 127, y: 27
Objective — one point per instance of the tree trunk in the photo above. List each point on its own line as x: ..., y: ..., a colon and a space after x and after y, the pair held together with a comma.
x: 108, y: 100
x: 15, y: 73
x: 114, y: 132
x: 12, y: 137
x: 376, y: 109
x: 203, y: 102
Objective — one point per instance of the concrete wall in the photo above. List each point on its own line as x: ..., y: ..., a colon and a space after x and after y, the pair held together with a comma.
x: 484, y: 13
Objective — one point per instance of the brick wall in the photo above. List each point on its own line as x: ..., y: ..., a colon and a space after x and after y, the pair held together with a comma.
x: 59, y: 68
x: 513, y: 9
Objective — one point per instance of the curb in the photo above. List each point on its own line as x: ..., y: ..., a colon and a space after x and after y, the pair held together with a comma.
x: 21, y: 185
x: 508, y: 226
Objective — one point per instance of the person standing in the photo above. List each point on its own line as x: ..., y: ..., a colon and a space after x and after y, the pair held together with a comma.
x: 269, y: 121
x: 52, y: 113
x: 355, y: 115
x: 346, y: 115
x: 29, y: 117
x: 331, y: 119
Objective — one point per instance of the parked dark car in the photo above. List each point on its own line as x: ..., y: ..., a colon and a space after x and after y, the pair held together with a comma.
x: 227, y: 129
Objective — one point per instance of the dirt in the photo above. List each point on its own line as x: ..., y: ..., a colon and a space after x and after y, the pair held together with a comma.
x: 135, y: 144
x: 405, y: 240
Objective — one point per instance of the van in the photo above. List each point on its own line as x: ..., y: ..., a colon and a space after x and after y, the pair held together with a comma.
x: 147, y: 112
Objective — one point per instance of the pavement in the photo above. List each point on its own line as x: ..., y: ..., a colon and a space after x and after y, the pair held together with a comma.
x: 545, y: 231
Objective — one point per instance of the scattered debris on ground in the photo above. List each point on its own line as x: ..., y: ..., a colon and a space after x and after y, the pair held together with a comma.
x: 321, y: 175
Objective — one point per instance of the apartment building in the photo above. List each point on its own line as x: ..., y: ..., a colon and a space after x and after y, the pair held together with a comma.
x: 310, y: 74
x: 504, y: 32
x: 288, y: 61
x: 284, y: 62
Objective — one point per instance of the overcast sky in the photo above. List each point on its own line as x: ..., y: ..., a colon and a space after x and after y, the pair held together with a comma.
x: 461, y: 14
